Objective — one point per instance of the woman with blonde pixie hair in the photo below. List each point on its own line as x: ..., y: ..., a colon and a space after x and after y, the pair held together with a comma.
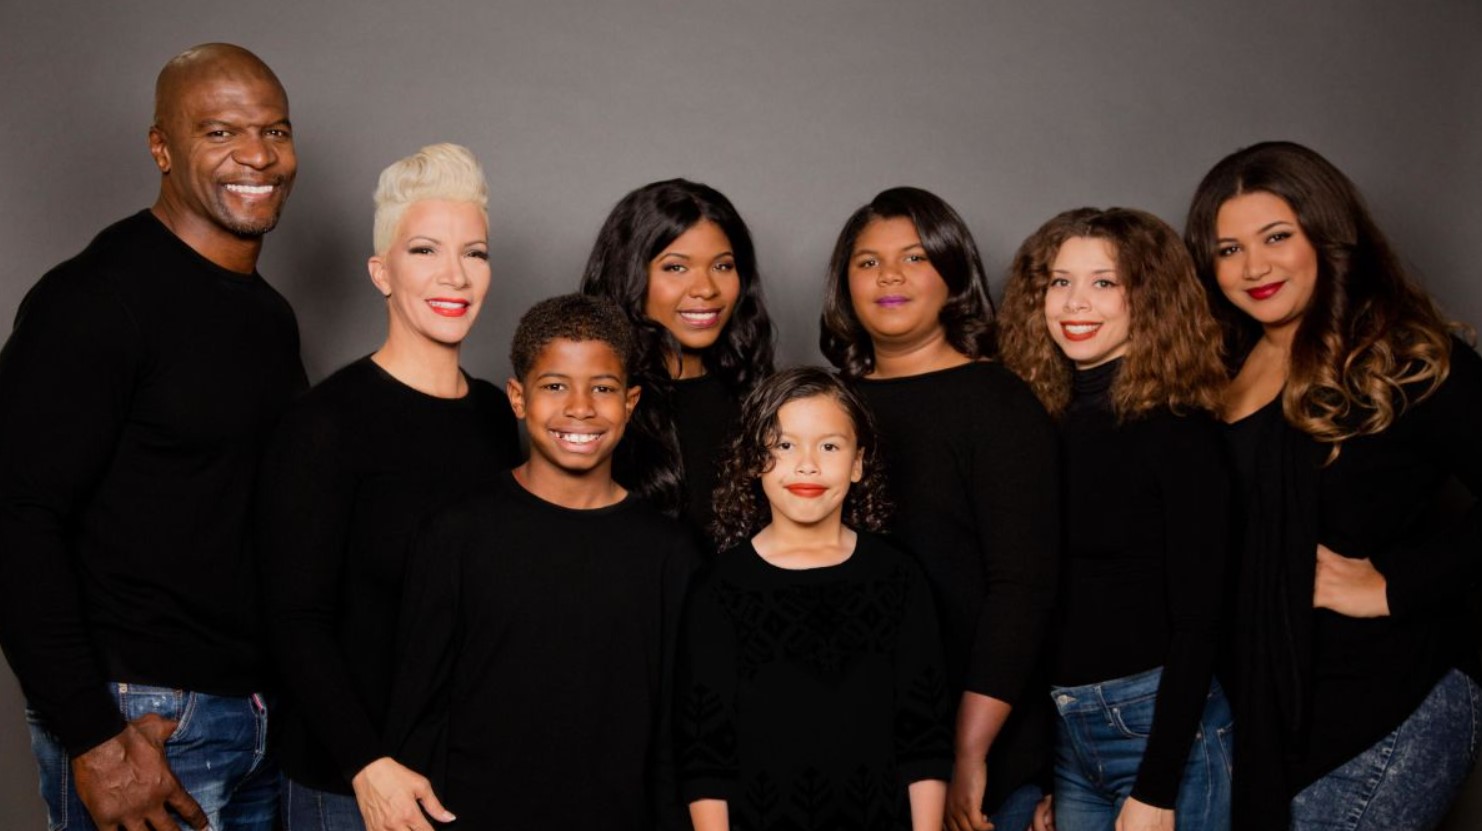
x: 353, y: 468
x: 1350, y: 408
x: 1105, y: 320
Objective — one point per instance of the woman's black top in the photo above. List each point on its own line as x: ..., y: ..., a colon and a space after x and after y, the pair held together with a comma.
x: 355, y: 465
x: 1147, y: 522
x: 705, y: 417
x: 973, y: 466
x: 1315, y: 688
x: 811, y: 699
x: 536, y: 658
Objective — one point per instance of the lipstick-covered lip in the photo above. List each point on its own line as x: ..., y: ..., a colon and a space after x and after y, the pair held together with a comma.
x: 805, y: 490
x: 1264, y: 291
x: 706, y: 318
x: 449, y: 306
x: 1079, y: 330
x: 891, y: 301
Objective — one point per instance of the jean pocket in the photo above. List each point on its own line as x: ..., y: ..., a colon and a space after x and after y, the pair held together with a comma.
x: 1134, y: 718
x: 138, y: 700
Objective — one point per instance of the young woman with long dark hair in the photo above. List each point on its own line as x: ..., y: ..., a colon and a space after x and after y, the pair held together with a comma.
x: 1351, y: 406
x: 678, y: 259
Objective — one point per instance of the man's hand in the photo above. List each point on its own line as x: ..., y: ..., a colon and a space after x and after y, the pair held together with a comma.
x: 392, y: 797
x: 965, y: 796
x: 1044, y: 814
x: 126, y: 780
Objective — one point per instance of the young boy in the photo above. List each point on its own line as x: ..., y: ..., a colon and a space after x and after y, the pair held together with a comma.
x: 540, y: 617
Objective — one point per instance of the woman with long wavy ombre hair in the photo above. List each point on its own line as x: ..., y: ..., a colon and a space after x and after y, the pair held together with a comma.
x: 1351, y: 407
x: 1104, y: 318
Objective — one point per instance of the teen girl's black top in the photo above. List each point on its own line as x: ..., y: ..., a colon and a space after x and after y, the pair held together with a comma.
x: 1316, y: 688
x: 705, y: 417
x: 973, y: 466
x: 1147, y: 524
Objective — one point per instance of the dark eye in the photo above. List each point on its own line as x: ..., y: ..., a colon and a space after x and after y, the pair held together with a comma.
x: 481, y: 255
x: 1058, y: 282
x: 280, y: 132
x: 1278, y: 236
x: 675, y: 268
x: 726, y: 266
x: 421, y: 249
x: 915, y: 258
x: 830, y: 446
x: 1105, y: 283
x: 553, y: 386
x: 1226, y: 251
x: 867, y: 263
x: 783, y: 445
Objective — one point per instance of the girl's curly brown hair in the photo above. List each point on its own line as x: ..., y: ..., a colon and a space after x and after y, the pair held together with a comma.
x: 1371, y: 342
x: 741, y: 509
x: 1173, y: 358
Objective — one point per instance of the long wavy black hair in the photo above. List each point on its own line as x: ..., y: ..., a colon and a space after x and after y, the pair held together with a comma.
x: 967, y: 316
x: 1371, y: 341
x: 637, y: 230
x: 741, y: 508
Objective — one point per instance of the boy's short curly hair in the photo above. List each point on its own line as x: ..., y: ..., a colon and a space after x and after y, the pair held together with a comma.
x: 577, y: 317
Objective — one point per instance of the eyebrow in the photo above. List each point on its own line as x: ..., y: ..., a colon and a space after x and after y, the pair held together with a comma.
x: 1263, y: 229
x: 859, y: 251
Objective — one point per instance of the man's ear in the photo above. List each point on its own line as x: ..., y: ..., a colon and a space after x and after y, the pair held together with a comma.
x: 159, y: 149
x: 516, y: 392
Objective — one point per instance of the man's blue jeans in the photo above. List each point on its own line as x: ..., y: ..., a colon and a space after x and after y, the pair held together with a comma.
x: 1100, y: 738
x: 1407, y: 780
x: 218, y: 752
x: 310, y: 809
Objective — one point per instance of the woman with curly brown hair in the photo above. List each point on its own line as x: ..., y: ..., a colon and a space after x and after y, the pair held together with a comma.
x: 1351, y: 408
x: 811, y: 692
x: 972, y: 459
x: 1105, y: 320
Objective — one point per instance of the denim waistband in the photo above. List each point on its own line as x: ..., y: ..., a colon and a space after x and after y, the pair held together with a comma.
x: 1101, y: 694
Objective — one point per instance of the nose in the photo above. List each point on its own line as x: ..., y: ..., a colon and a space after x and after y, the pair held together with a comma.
x: 579, y: 403
x: 1075, y: 299
x: 454, y: 274
x: 253, y: 151
x: 807, y: 463
x: 703, y: 285
x: 1256, y: 264
x: 888, y: 274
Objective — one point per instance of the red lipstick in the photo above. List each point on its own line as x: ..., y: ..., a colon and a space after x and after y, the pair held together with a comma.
x: 806, y: 491
x: 1263, y: 292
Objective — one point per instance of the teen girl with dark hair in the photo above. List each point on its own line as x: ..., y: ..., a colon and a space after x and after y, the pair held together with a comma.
x: 678, y: 259
x: 972, y: 458
x: 1105, y: 320
x: 1351, y: 406
x: 811, y: 692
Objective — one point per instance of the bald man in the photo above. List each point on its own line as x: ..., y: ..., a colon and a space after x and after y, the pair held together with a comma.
x: 135, y: 392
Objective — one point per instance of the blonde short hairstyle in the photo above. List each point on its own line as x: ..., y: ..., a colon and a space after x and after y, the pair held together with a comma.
x: 437, y: 171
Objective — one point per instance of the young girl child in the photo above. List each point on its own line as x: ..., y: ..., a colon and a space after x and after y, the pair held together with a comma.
x: 1351, y: 407
x: 677, y: 258
x: 973, y: 461
x: 811, y: 691
x: 1105, y: 320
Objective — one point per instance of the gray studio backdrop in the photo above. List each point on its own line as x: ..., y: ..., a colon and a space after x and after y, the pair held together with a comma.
x: 799, y: 110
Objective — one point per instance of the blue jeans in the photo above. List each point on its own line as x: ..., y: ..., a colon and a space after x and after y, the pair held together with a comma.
x: 1408, y: 779
x: 218, y: 752
x: 1100, y: 738
x: 310, y: 809
x: 1017, y: 809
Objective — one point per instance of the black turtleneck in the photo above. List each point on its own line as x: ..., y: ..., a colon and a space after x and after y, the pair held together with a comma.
x: 1146, y: 528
